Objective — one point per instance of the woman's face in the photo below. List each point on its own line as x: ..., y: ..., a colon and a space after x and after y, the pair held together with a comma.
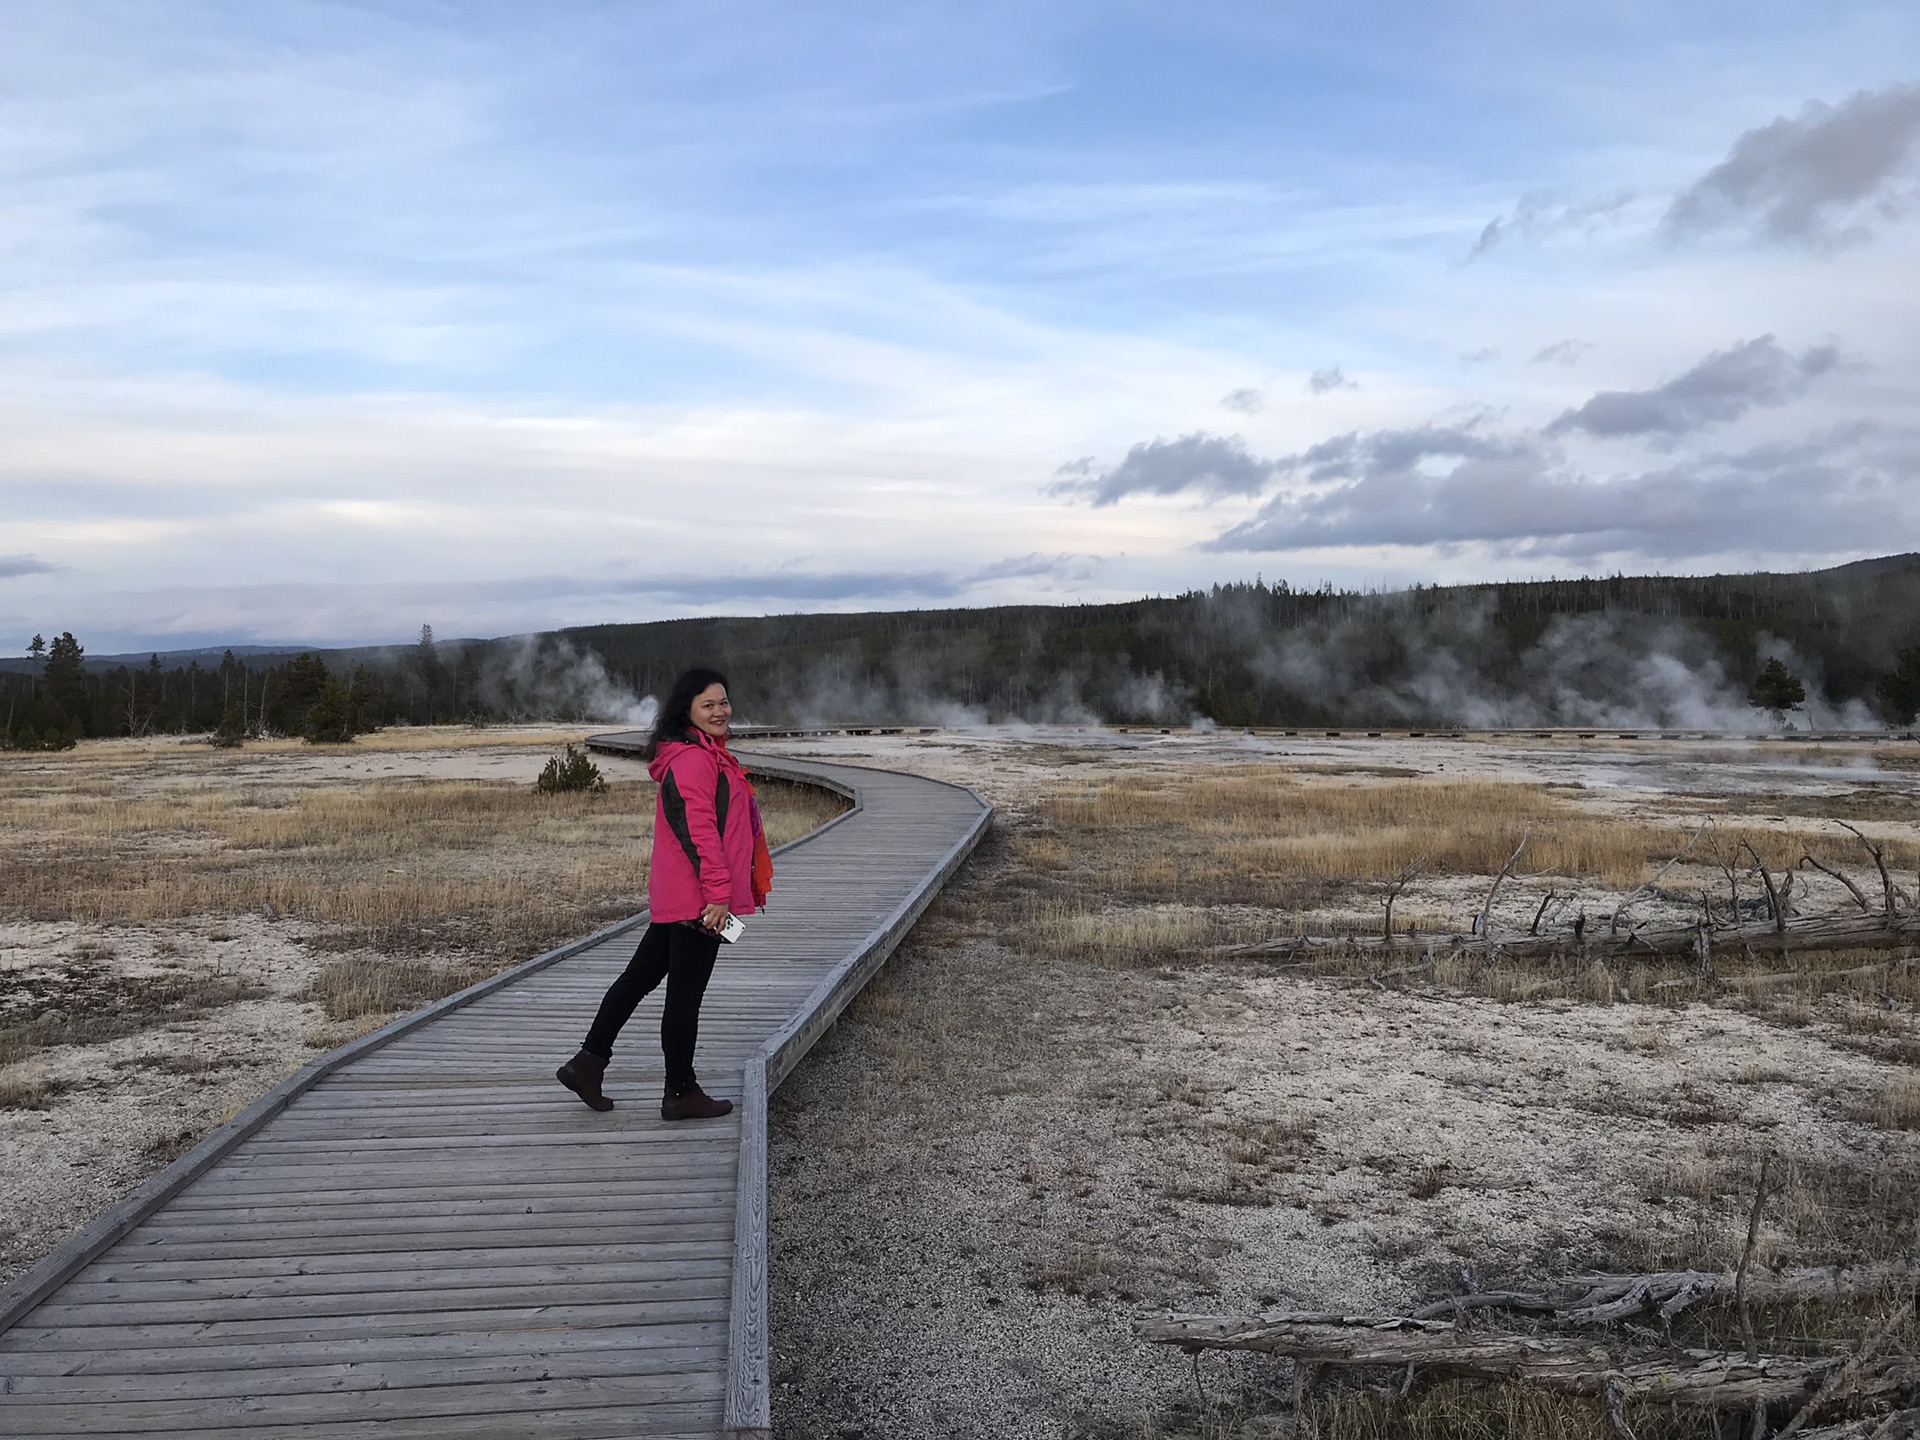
x: 711, y: 711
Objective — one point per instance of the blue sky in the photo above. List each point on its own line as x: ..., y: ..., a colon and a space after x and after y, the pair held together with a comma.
x: 319, y: 321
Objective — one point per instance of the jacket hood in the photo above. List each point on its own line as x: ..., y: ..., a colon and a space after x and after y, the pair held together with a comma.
x: 695, y: 740
x: 663, y: 758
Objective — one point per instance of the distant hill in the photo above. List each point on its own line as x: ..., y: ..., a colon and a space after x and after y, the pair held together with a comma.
x: 1612, y: 650
x: 1621, y: 649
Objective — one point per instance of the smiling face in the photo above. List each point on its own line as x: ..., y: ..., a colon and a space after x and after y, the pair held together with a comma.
x: 711, y: 711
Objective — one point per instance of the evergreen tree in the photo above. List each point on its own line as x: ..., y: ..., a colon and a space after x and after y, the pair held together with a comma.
x: 426, y: 663
x: 302, y: 681
x: 1900, y: 689
x: 365, y: 693
x: 1777, y: 690
x: 330, y: 718
x: 232, y: 732
x: 37, y: 648
x: 66, y: 684
x: 466, y: 683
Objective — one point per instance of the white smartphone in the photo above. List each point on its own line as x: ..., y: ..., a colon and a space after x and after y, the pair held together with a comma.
x: 732, y: 930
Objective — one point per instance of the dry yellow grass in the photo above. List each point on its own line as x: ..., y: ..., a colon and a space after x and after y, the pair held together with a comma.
x: 26, y: 1087
x: 487, y: 867
x: 1147, y: 869
x: 1171, y: 832
x: 408, y: 739
x: 1899, y: 1107
x: 1120, y: 936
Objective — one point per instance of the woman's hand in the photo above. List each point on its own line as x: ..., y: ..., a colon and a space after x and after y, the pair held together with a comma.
x: 715, y: 917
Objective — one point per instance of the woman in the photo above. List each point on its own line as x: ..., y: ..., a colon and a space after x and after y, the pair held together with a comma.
x: 710, y: 863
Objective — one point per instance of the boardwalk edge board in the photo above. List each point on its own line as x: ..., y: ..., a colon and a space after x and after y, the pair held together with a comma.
x: 74, y: 1254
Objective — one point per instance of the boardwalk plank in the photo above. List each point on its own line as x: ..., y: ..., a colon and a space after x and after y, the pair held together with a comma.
x: 448, y: 1402
x: 348, y: 1349
x: 108, y: 1336
x: 303, y: 1260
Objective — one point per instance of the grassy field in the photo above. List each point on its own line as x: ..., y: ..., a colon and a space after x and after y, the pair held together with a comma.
x: 1137, y: 870
x: 402, y: 865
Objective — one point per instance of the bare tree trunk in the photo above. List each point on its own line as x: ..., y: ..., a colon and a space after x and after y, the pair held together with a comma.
x: 1880, y: 860
x: 1485, y: 927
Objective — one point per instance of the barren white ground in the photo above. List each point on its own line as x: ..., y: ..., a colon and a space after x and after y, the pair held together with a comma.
x: 997, y: 1161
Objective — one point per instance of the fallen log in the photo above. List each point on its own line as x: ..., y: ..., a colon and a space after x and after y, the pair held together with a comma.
x: 1899, y: 1425
x: 1706, y: 1379
x: 1836, y: 932
x: 1601, y: 1299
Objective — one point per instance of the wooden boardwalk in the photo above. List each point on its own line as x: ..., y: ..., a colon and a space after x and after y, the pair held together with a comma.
x: 423, y: 1235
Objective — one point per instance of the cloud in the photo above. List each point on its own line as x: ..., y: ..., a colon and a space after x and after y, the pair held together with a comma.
x: 1214, y: 465
x: 1480, y: 357
x: 308, y: 613
x: 1331, y: 378
x: 1839, y: 490
x: 1813, y: 180
x: 1533, y: 218
x: 1406, y: 486
x: 1246, y: 401
x: 1722, y: 387
x: 12, y: 565
x: 1400, y: 452
x: 1030, y: 567
x: 1562, y: 352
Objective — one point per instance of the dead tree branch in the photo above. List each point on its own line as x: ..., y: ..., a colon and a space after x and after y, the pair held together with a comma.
x: 1880, y: 861
x: 1746, y: 1258
x: 1545, y: 900
x: 1900, y: 1425
x: 1652, y: 885
x: 1836, y: 1384
x: 1408, y: 873
x: 1485, y: 927
x: 1860, y: 899
x: 1774, y: 907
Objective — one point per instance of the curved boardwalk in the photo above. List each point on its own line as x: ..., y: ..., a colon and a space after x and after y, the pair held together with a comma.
x: 423, y: 1235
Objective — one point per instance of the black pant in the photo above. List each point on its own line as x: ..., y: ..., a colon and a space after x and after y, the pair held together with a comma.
x: 684, y: 956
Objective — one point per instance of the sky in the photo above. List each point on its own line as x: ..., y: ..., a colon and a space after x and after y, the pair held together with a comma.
x: 320, y: 321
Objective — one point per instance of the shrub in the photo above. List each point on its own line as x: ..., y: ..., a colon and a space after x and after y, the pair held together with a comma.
x: 54, y: 737
x: 570, y: 770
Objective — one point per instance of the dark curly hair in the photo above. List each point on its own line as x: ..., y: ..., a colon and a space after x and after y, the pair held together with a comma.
x: 674, y: 719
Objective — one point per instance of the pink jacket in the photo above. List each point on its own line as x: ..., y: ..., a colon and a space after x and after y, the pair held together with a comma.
x: 704, y: 824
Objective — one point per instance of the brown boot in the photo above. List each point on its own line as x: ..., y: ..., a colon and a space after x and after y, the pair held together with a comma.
x: 693, y: 1103
x: 582, y: 1076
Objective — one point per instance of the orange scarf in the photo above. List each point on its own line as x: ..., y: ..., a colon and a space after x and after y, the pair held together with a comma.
x: 762, y: 856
